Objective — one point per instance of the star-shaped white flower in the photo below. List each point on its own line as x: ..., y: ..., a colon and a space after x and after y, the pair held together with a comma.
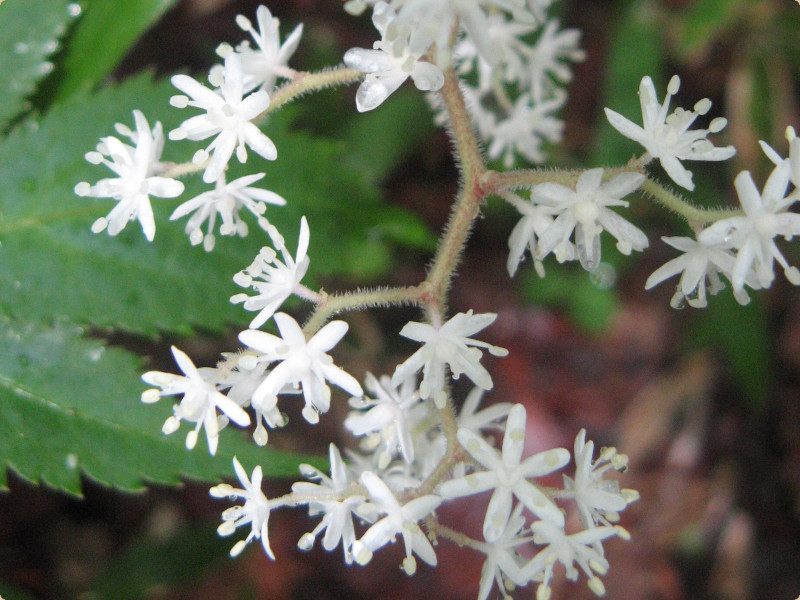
x: 261, y: 66
x: 228, y: 116
x: 241, y: 374
x: 585, y: 211
x: 303, y: 363
x: 527, y: 126
x: 387, y: 67
x: 753, y: 234
x: 337, y: 520
x: 553, y: 46
x: 580, y: 548
x: 200, y: 401
x: 226, y: 200
x: 451, y: 345
x: 137, y: 178
x: 599, y: 500
x: 507, y: 475
x: 402, y: 519
x: 793, y: 159
x: 274, y: 281
x: 699, y: 265
x: 254, y: 511
x: 536, y: 219
x: 387, y: 416
x: 502, y: 559
x: 668, y: 137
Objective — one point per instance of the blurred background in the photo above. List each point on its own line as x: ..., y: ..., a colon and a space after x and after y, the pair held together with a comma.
x: 705, y: 403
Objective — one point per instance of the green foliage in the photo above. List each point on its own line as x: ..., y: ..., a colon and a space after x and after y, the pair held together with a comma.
x: 29, y: 35
x: 160, y: 564
x: 741, y: 333
x: 573, y: 291
x: 636, y: 51
x: 71, y: 406
x: 703, y: 23
x: 105, y: 33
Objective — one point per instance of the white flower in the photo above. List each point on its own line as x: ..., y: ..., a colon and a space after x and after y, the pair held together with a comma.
x: 136, y: 169
x: 337, y: 520
x: 699, y: 264
x: 387, y: 415
x: 507, y: 476
x: 262, y: 66
x: 448, y: 344
x: 568, y: 549
x: 668, y: 137
x: 553, y: 47
x: 599, y: 500
x: 753, y: 234
x: 536, y: 219
x: 254, y: 511
x: 228, y: 116
x: 274, y: 281
x: 303, y: 363
x: 226, y: 200
x: 242, y: 380
x: 387, y: 69
x: 399, y: 519
x: 585, y: 211
x: 476, y: 420
x: 502, y: 558
x: 794, y: 156
x: 199, y: 403
x: 529, y: 124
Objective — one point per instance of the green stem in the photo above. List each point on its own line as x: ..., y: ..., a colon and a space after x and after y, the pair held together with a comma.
x: 305, y: 83
x: 674, y: 202
x: 330, y: 305
x: 467, y: 206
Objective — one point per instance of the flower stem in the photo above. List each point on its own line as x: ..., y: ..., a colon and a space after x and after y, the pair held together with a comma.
x: 304, y: 83
x: 330, y: 305
x: 674, y: 202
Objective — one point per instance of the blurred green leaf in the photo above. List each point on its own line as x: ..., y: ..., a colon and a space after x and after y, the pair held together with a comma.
x: 72, y: 406
x: 11, y: 592
x: 741, y: 333
x: 573, y: 292
x: 378, y: 140
x: 636, y: 50
x: 161, y: 564
x: 29, y: 34
x: 703, y: 22
x: 105, y: 33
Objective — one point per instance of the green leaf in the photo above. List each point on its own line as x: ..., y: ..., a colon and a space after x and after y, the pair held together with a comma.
x: 589, y: 305
x: 51, y: 265
x: 162, y: 564
x: 378, y: 140
x: 105, y: 33
x: 703, y: 23
x: 71, y: 406
x: 636, y: 51
x: 29, y: 34
x: 741, y: 333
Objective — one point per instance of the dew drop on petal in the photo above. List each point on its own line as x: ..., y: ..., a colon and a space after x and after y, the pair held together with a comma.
x: 73, y: 9
x: 71, y: 461
x: 604, y: 276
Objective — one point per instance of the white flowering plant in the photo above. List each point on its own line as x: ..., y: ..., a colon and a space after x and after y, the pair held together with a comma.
x: 242, y: 215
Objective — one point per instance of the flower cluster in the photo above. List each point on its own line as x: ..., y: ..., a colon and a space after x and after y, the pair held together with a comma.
x: 742, y: 247
x: 421, y: 443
